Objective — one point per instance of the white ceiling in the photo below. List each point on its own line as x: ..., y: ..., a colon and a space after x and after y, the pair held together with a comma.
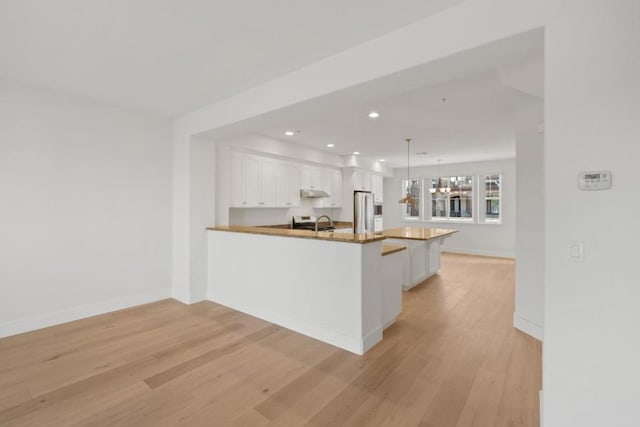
x: 476, y: 122
x: 169, y: 57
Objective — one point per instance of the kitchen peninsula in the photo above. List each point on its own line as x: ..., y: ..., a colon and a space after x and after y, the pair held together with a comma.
x: 322, y: 284
x: 422, y: 257
x: 335, y: 287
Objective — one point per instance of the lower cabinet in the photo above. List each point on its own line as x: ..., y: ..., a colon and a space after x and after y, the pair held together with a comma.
x: 391, y: 276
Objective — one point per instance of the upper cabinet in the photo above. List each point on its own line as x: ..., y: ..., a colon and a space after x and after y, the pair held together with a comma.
x: 312, y: 178
x: 332, y: 183
x: 376, y: 188
x: 288, y: 184
x: 264, y: 182
x: 362, y: 180
x: 253, y: 181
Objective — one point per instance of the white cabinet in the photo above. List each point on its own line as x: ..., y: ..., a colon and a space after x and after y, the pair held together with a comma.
x: 335, y: 177
x: 361, y: 180
x: 312, y: 178
x: 238, y: 195
x: 377, y: 188
x: 264, y: 182
x: 267, y: 184
x: 391, y: 278
x: 332, y: 179
x: 253, y: 181
x: 287, y: 185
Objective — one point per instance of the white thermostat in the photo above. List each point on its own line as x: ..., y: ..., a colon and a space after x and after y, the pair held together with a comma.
x: 594, y: 180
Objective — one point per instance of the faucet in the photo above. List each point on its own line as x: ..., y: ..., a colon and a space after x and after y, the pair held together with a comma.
x: 323, y: 216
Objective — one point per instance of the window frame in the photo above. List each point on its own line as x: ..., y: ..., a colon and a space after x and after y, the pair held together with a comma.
x: 448, y: 218
x: 403, y: 207
x: 478, y: 200
x: 483, y: 218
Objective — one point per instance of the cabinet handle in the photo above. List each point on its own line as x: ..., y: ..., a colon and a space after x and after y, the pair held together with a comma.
x: 261, y: 203
x: 288, y: 203
x: 244, y: 203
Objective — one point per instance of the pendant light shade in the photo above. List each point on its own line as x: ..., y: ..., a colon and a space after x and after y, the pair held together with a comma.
x: 408, y: 199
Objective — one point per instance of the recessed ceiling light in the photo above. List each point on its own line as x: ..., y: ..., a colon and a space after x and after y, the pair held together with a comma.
x: 374, y: 115
x: 356, y: 153
x: 331, y: 145
x: 381, y: 160
x: 289, y: 133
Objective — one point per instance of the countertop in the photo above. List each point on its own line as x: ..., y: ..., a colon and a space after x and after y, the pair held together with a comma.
x: 391, y: 249
x: 336, y: 224
x: 414, y: 233
x: 303, y: 234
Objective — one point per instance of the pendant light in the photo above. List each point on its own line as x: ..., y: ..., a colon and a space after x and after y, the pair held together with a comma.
x: 408, y: 199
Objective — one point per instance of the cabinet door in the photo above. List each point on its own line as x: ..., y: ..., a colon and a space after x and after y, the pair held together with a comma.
x: 376, y: 187
x: 287, y: 185
x: 237, y: 198
x: 312, y: 178
x: 293, y: 185
x: 362, y: 180
x: 335, y: 188
x: 267, y: 183
x: 252, y: 181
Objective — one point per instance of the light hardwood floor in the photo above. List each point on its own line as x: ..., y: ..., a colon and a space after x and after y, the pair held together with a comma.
x: 451, y: 359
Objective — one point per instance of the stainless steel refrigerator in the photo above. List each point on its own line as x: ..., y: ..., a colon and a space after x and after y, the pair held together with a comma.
x: 363, y: 212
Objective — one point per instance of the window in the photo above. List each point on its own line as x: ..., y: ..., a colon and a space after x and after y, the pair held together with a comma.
x: 411, y: 211
x: 492, y: 196
x: 452, y: 198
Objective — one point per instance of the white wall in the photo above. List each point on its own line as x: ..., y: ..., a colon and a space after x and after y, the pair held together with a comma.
x: 202, y: 200
x: 529, y: 303
x: 592, y: 110
x: 84, y: 209
x: 479, y: 239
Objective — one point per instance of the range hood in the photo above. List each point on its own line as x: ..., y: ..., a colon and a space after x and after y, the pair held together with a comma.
x: 313, y: 194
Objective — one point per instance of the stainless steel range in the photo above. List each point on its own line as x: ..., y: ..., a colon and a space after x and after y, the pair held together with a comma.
x: 309, y: 222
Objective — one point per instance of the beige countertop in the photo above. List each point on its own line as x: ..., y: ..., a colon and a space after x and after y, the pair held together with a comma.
x: 391, y: 249
x: 414, y: 233
x: 303, y: 234
x: 336, y: 224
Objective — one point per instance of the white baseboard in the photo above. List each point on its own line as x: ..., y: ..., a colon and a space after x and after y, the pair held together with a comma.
x: 541, y: 398
x: 44, y: 320
x: 371, y: 339
x: 481, y: 252
x: 528, y: 327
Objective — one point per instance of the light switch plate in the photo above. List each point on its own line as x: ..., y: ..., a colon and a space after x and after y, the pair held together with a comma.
x: 576, y: 251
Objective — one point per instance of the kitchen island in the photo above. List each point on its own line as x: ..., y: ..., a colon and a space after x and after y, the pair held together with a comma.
x: 422, y: 257
x: 322, y: 284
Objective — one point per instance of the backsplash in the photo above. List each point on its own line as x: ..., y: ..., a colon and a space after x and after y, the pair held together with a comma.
x: 272, y: 216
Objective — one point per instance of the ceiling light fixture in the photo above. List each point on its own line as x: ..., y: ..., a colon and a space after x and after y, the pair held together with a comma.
x: 408, y: 199
x: 381, y: 160
x: 331, y: 145
x: 289, y: 133
x: 374, y: 115
x: 355, y: 153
